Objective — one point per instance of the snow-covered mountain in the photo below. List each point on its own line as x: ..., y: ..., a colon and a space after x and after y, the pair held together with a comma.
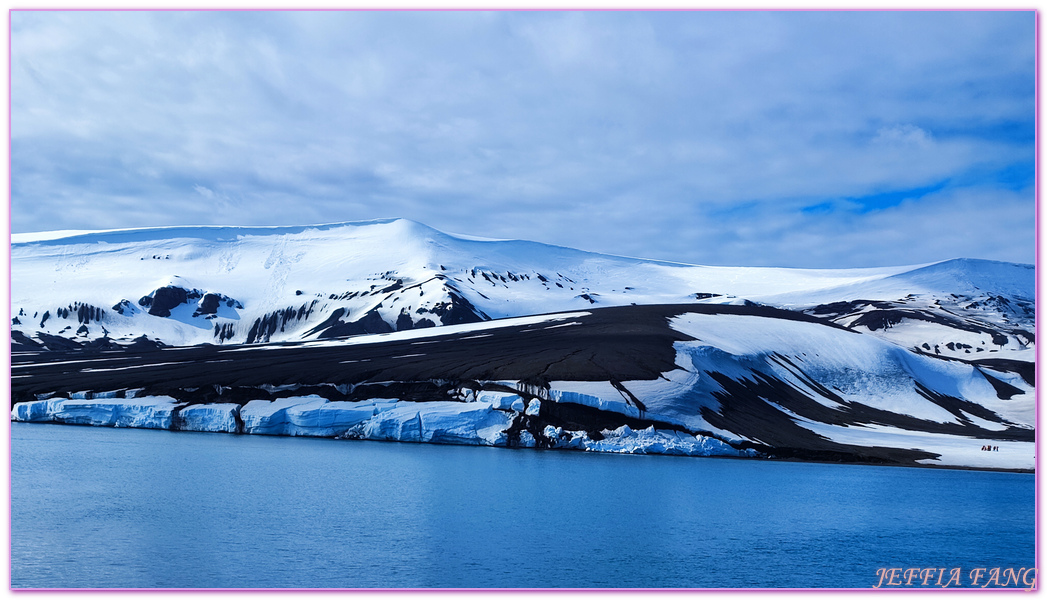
x: 463, y: 340
x: 185, y: 286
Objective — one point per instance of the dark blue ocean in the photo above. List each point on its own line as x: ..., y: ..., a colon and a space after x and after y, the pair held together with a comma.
x: 98, y: 507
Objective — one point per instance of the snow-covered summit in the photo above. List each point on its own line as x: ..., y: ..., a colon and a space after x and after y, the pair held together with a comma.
x: 517, y: 343
x: 971, y: 277
x: 192, y: 285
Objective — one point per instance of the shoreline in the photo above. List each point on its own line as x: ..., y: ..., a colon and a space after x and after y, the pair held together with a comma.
x: 669, y: 379
x: 560, y: 449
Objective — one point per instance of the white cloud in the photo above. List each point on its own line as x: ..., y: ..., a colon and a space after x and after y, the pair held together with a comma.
x: 205, y: 192
x: 602, y: 130
x: 904, y: 135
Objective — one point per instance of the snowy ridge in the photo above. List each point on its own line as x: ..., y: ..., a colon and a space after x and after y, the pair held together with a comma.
x: 390, y: 330
x: 696, y: 380
x: 182, y: 286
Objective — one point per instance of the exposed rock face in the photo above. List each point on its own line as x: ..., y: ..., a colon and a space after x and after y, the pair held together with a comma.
x: 124, y: 307
x: 754, y: 378
x: 265, y: 326
x: 836, y: 365
x: 208, y: 305
x: 163, y: 300
x: 292, y: 284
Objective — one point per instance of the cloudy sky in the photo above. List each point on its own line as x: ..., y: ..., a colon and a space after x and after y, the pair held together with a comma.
x: 807, y: 139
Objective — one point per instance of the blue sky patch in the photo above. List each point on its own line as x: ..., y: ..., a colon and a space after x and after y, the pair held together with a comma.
x: 689, y: 136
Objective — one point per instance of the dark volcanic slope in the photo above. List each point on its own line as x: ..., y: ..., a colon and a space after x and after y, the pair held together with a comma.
x: 618, y: 344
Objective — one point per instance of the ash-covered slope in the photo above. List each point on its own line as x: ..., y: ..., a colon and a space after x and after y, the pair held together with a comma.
x: 392, y: 330
x: 220, y: 285
x: 686, y: 379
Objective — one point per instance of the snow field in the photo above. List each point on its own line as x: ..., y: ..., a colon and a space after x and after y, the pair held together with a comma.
x: 270, y: 269
x: 859, y: 368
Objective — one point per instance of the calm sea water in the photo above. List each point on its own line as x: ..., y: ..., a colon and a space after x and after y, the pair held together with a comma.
x: 98, y: 507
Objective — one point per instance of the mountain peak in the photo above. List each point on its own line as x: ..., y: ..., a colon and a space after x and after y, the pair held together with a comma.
x: 973, y: 276
x: 245, y: 284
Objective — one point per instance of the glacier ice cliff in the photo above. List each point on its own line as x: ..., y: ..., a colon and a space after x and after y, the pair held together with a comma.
x: 486, y: 420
